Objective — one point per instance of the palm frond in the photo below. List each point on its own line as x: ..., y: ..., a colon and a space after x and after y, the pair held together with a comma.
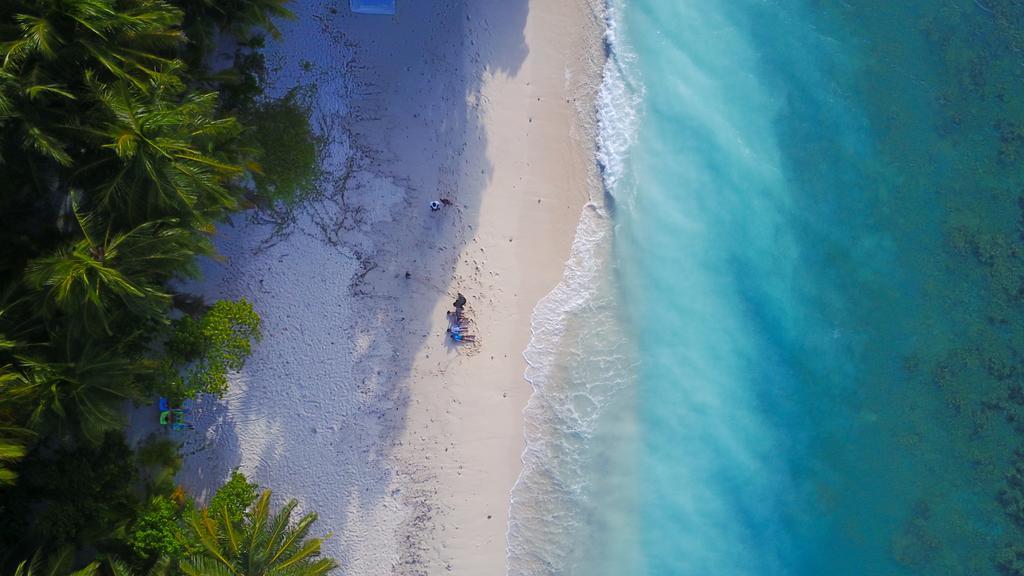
x: 39, y: 34
x: 263, y: 544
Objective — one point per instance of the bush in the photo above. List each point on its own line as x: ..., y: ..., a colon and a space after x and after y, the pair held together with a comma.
x: 158, y: 530
x: 242, y: 84
x: 289, y: 151
x: 235, y: 496
x: 70, y: 496
x: 213, y: 345
x: 158, y: 461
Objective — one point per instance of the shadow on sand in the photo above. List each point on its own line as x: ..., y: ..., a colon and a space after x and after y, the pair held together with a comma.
x: 413, y: 117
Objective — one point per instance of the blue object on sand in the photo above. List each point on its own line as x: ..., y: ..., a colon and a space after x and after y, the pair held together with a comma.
x: 373, y: 6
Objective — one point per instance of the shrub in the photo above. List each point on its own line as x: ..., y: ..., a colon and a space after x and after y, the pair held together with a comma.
x: 289, y: 151
x: 211, y: 346
x: 158, y: 530
x: 235, y: 496
x: 70, y: 495
x: 158, y: 461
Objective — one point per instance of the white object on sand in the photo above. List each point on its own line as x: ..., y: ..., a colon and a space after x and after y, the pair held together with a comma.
x: 435, y: 205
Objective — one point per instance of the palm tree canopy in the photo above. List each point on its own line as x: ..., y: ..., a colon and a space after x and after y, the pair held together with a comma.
x: 93, y: 96
x: 85, y: 393
x: 118, y: 567
x: 160, y: 144
x: 262, y: 544
x: 105, y: 272
x: 56, y: 564
x: 13, y: 447
x: 48, y: 47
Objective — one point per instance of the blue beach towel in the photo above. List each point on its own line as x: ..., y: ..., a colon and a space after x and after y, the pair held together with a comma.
x: 373, y: 6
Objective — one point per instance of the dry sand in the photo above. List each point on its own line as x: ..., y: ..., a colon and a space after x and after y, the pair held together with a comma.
x: 355, y: 402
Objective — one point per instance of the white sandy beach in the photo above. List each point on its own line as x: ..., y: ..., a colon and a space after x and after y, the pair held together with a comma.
x: 355, y: 402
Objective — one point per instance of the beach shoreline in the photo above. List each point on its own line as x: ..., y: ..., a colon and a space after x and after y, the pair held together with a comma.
x: 539, y: 127
x: 355, y: 402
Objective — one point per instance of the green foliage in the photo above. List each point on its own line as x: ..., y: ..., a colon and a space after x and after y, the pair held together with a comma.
x: 13, y: 447
x: 161, y: 452
x: 10, y: 451
x: 66, y: 390
x: 204, y: 17
x: 158, y: 530
x: 158, y: 461
x: 58, y: 563
x: 234, y: 497
x: 242, y: 84
x: 115, y: 566
x: 289, y: 151
x: 117, y: 158
x: 216, y: 343
x: 48, y: 44
x: 115, y: 171
x: 105, y: 273
x: 173, y: 141
x: 260, y: 545
x: 74, y: 495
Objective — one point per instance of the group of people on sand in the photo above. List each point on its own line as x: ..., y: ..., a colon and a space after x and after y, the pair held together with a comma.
x: 457, y: 322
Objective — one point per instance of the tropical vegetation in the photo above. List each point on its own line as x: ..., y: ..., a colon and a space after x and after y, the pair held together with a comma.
x: 259, y: 544
x: 119, y: 153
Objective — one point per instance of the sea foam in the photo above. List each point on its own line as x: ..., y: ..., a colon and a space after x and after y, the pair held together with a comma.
x: 775, y: 351
x: 579, y: 363
x: 618, y: 103
x: 606, y: 424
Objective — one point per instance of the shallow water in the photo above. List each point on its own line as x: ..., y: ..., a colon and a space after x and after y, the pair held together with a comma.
x: 808, y: 331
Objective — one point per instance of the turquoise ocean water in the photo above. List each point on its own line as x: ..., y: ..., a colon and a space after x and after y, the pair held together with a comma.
x: 791, y: 339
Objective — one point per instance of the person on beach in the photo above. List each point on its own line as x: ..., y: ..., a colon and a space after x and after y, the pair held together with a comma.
x: 455, y: 322
x: 461, y: 337
x: 454, y: 317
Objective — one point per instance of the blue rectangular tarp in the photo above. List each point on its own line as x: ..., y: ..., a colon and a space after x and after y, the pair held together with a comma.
x: 373, y: 6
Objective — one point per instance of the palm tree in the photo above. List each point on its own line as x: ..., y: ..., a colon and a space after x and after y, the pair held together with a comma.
x: 259, y: 545
x: 61, y: 382
x: 53, y: 381
x: 81, y: 392
x: 12, y: 449
x: 46, y: 46
x: 93, y: 97
x: 57, y: 564
x: 105, y: 273
x: 204, y: 17
x: 13, y: 445
x: 155, y: 157
x: 117, y: 567
x: 125, y: 38
x: 69, y: 386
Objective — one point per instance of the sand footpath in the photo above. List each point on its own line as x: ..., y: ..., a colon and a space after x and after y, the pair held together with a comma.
x: 355, y: 402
